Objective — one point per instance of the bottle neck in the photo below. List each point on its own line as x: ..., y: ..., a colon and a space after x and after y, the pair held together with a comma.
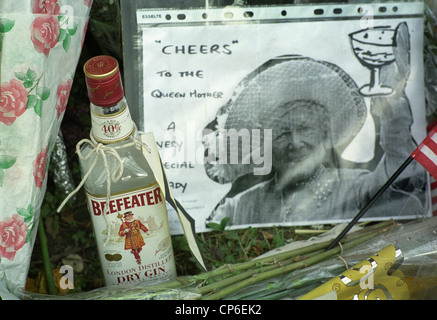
x: 111, y: 124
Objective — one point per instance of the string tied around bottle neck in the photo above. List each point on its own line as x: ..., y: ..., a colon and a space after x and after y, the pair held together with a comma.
x: 100, y: 150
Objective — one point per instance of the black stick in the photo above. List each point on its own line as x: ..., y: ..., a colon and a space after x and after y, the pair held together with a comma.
x: 370, y: 203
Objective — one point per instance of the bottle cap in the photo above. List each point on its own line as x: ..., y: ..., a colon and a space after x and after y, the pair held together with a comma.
x: 103, y: 81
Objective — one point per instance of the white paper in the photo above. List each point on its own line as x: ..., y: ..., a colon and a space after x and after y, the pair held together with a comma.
x: 194, y: 61
x: 186, y: 222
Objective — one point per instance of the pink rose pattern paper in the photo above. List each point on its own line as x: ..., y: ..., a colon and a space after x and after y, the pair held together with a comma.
x: 40, y: 45
x: 45, y: 32
x: 13, y: 101
x: 62, y: 95
x: 39, y: 168
x: 13, y: 231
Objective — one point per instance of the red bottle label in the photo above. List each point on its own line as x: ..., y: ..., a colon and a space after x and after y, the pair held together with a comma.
x: 103, y: 81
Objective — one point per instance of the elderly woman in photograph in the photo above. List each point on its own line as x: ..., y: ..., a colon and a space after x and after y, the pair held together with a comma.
x: 315, y: 110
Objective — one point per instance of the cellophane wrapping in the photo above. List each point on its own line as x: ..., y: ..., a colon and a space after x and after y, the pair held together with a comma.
x: 40, y: 45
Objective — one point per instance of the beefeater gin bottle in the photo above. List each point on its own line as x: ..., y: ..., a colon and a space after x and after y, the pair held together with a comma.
x: 127, y: 207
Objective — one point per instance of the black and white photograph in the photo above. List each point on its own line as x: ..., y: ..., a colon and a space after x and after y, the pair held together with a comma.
x: 283, y: 121
x: 319, y: 113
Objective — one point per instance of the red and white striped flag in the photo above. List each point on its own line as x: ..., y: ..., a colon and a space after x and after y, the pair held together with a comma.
x: 426, y: 153
x: 432, y: 180
x: 433, y: 183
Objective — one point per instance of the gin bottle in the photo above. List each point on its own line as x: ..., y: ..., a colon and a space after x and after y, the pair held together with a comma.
x: 126, y: 205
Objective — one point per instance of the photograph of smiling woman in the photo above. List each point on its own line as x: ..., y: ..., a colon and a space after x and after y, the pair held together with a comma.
x: 315, y: 110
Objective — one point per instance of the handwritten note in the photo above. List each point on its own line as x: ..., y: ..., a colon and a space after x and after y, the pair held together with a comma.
x: 194, y: 67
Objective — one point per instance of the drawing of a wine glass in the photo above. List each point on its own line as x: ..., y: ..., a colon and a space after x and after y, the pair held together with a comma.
x: 374, y: 49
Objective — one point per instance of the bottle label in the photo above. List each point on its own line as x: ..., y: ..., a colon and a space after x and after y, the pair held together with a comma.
x: 113, y: 127
x: 134, y: 241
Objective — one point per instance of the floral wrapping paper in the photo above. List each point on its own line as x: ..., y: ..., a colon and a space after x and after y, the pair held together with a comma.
x: 40, y: 45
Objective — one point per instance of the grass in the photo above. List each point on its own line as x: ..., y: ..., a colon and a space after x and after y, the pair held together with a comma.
x: 223, y: 246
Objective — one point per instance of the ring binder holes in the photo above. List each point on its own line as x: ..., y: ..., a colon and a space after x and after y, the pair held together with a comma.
x: 248, y: 14
x: 181, y: 16
x: 229, y: 15
x: 395, y: 9
x: 382, y: 9
x: 283, y: 13
x: 318, y: 12
x: 167, y: 17
x: 337, y: 10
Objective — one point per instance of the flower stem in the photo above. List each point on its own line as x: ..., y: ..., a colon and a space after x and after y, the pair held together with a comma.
x: 229, y: 269
x: 248, y: 273
x: 46, y: 258
x: 227, y: 279
x: 261, y: 275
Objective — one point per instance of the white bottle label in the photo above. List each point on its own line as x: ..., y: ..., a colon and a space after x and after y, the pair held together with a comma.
x: 139, y: 247
x: 113, y: 127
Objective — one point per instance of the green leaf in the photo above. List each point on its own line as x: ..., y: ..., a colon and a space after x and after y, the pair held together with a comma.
x: 72, y: 32
x: 62, y: 34
x: 31, y: 101
x: 7, y: 161
x: 26, y: 213
x: 2, y: 175
x: 218, y: 227
x: 38, y: 107
x: 31, y: 74
x: 28, y: 83
x: 21, y: 76
x: 224, y: 222
x: 29, y: 234
x: 43, y: 93
x: 214, y: 226
x: 6, y: 25
x: 66, y: 42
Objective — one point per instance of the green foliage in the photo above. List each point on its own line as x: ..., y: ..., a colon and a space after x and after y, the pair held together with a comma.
x: 223, y: 245
x: 28, y: 216
x: 31, y: 81
x: 6, y: 25
x: 218, y: 226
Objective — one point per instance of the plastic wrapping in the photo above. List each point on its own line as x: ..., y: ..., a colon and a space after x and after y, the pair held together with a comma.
x: 40, y: 45
x: 139, y: 291
x: 62, y: 176
x: 407, y: 270
x: 376, y: 278
x: 222, y: 89
x: 150, y: 290
x: 418, y: 243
